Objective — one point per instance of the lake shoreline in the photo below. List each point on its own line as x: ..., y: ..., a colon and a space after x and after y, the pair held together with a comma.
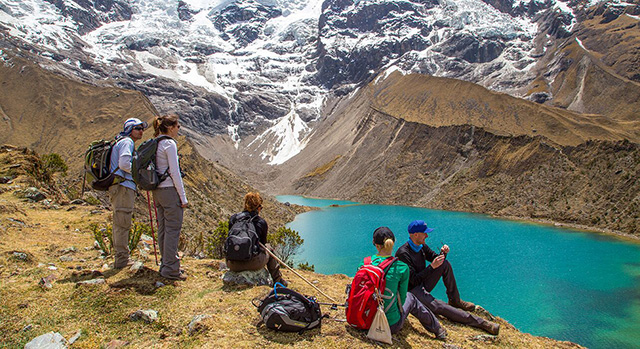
x: 574, y: 226
x: 544, y: 221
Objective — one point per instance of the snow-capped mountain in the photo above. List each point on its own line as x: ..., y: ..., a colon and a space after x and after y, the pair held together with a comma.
x: 261, y: 70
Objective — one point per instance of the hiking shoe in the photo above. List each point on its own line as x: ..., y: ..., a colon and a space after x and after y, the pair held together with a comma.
x: 464, y: 305
x: 179, y: 277
x: 491, y: 327
x: 128, y: 264
x: 442, y: 334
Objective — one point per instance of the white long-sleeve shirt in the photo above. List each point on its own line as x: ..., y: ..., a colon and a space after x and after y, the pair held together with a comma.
x: 167, y: 157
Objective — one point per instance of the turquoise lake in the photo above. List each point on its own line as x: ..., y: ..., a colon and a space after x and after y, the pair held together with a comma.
x: 559, y: 283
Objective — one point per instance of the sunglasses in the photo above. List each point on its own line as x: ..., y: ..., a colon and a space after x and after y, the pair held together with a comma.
x: 139, y: 128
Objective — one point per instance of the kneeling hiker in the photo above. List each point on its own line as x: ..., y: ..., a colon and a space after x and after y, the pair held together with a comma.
x: 395, y: 293
x: 245, y: 230
x: 423, y: 279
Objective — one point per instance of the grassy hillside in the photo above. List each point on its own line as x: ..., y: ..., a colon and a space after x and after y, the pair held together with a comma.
x: 439, y: 102
x: 44, y: 240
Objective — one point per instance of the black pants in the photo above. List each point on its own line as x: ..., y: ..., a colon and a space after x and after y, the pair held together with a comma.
x: 445, y: 271
x: 439, y: 307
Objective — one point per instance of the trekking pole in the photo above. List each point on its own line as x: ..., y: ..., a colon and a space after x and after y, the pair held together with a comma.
x: 84, y: 180
x: 295, y: 272
x: 153, y: 236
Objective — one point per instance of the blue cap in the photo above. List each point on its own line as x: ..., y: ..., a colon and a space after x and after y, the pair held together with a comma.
x: 419, y: 226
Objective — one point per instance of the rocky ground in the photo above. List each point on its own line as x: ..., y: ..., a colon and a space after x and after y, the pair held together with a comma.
x: 53, y: 279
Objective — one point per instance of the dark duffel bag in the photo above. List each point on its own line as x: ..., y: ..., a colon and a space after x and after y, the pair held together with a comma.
x: 287, y: 310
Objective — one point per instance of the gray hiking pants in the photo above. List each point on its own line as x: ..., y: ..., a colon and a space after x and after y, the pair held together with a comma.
x: 258, y: 262
x: 122, y: 200
x: 413, y: 306
x: 439, y: 307
x: 169, y: 225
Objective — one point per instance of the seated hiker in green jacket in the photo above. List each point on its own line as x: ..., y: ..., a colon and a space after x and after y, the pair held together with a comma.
x: 397, y: 284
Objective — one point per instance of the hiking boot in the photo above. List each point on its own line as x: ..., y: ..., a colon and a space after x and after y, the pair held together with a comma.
x: 464, y: 305
x: 491, y: 327
x: 282, y: 281
x: 442, y: 334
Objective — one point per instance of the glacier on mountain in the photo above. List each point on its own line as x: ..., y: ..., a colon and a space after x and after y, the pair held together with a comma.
x: 261, y: 69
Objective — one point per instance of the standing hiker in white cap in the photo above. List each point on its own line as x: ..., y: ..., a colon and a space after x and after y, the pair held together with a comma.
x: 122, y: 194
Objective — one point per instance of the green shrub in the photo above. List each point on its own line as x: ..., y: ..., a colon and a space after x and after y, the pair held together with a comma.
x: 216, y: 239
x: 306, y: 266
x: 53, y: 163
x: 286, y: 243
x: 103, y: 234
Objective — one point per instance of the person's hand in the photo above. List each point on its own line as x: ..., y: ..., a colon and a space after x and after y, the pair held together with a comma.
x: 184, y: 205
x: 437, y: 262
x: 444, y: 249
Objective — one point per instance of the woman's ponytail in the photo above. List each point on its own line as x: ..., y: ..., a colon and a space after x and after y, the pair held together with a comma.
x: 388, y: 244
x: 156, y: 126
x: 161, y: 124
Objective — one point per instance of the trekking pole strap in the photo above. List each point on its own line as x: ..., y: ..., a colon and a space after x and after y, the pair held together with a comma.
x: 295, y: 272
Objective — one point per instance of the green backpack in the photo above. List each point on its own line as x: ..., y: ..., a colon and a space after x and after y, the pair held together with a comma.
x: 97, y: 161
x: 143, y: 165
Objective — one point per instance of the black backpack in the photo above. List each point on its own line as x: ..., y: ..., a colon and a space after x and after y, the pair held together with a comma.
x: 143, y: 165
x: 287, y: 310
x: 97, y: 163
x: 242, y: 243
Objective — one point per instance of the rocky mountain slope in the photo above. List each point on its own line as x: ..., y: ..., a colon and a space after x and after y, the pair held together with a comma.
x: 63, y: 116
x: 259, y: 72
x: 525, y: 161
x: 52, y: 279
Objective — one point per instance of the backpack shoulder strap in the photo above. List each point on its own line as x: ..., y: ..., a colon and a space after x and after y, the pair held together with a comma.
x: 159, y: 138
x: 385, y: 265
x: 367, y: 260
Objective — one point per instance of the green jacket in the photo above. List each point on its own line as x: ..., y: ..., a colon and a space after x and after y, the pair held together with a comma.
x: 397, y: 284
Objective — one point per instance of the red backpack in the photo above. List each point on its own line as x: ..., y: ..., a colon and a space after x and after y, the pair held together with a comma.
x: 370, y: 280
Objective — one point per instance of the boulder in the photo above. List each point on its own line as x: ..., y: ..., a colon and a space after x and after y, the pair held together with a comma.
x: 148, y: 315
x: 47, y: 282
x: 91, y: 282
x: 51, y: 340
x: 249, y: 277
x: 198, y: 323
x: 32, y: 193
x: 5, y: 179
x: 115, y: 344
x: 137, y: 265
x: 75, y: 337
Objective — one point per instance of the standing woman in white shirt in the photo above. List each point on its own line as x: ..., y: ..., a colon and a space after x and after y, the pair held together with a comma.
x: 170, y: 197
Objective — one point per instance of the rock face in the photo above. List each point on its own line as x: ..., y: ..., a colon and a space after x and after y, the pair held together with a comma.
x: 247, y: 278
